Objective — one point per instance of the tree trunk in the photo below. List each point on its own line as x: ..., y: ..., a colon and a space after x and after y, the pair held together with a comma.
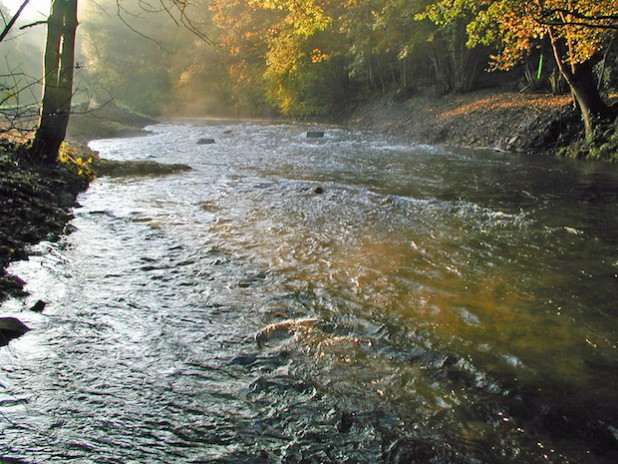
x: 589, y: 100
x: 58, y: 81
x: 580, y: 78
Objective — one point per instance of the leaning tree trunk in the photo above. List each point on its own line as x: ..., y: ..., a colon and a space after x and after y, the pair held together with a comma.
x: 580, y: 78
x: 58, y: 81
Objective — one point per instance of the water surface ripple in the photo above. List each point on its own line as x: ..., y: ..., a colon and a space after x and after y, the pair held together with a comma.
x: 352, y: 299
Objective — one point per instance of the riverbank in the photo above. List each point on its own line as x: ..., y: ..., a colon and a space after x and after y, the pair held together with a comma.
x: 35, y: 204
x: 505, y: 121
x: 36, y: 200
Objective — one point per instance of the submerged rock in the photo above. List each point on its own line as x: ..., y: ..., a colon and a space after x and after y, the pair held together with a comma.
x: 10, y: 328
x: 283, y: 329
x: 315, y: 134
x: 206, y: 141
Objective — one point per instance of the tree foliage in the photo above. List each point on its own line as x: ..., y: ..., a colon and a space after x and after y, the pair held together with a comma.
x: 316, y: 57
x: 310, y: 56
x: 517, y: 26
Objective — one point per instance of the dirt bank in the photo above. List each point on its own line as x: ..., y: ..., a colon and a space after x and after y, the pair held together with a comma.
x: 510, y: 121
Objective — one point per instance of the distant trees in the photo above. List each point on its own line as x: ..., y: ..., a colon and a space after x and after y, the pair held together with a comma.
x: 124, y: 65
x: 20, y: 67
x: 312, y: 57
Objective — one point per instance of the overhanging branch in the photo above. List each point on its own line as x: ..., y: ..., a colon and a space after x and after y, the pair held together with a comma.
x: 608, y: 22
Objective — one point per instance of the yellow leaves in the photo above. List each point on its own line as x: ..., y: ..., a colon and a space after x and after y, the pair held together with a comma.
x: 305, y: 17
x: 73, y: 158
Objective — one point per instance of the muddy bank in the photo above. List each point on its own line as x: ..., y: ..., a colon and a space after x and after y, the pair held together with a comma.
x: 34, y: 206
x: 509, y: 121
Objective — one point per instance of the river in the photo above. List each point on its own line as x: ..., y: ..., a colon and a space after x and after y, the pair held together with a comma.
x: 351, y: 299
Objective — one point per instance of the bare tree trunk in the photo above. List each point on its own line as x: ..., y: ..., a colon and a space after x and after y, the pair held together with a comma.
x: 58, y: 81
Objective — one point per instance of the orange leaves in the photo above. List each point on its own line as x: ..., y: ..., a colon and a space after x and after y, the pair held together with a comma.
x: 516, y: 26
x: 318, y: 56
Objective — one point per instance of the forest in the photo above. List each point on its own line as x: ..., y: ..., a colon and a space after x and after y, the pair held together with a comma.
x: 320, y: 58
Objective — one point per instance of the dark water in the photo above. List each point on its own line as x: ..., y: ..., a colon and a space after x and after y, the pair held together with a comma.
x: 425, y: 306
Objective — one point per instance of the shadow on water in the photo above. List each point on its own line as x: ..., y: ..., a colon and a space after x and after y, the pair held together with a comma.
x: 352, y: 299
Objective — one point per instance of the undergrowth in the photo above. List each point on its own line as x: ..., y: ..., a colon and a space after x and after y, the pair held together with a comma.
x: 602, y: 147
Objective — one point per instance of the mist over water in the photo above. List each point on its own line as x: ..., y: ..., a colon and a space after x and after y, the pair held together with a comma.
x: 346, y: 299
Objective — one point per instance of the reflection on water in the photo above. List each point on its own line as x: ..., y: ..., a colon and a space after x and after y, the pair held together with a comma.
x: 419, y: 306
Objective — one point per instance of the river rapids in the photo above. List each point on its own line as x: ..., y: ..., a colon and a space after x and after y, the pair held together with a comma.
x: 347, y: 299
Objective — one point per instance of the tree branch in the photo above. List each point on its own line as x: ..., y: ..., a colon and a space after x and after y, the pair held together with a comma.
x: 612, y: 27
x: 37, y: 23
x: 609, y: 22
x: 11, y: 23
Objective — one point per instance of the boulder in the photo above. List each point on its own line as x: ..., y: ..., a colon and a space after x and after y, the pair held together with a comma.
x: 10, y: 328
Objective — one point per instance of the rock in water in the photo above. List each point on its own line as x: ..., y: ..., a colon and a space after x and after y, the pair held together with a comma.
x: 10, y: 328
x: 39, y: 306
x: 315, y: 134
x: 205, y: 141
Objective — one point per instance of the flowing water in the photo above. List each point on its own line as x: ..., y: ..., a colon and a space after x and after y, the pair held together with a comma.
x: 351, y: 299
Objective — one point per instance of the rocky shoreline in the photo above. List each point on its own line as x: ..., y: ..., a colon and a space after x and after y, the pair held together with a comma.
x: 35, y: 204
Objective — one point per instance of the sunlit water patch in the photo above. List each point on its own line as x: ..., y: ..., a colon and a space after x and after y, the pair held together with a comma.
x: 346, y: 299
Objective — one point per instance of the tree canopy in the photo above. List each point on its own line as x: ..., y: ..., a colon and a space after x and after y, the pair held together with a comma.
x: 516, y: 26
